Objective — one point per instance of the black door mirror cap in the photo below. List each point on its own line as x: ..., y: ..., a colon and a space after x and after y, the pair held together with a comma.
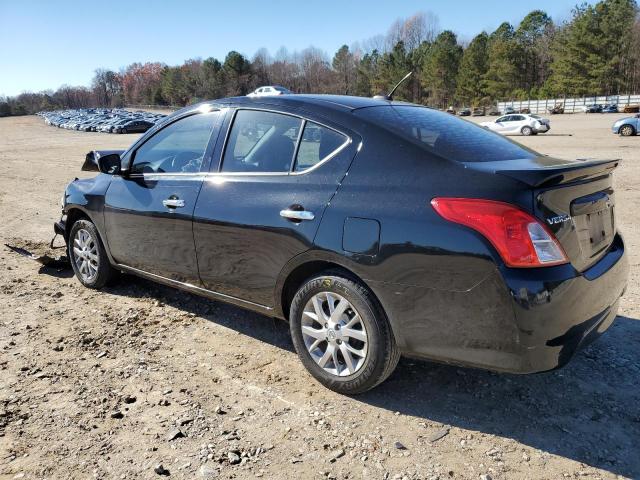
x: 104, y: 161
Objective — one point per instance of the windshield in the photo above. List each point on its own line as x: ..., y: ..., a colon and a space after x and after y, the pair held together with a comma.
x: 445, y: 135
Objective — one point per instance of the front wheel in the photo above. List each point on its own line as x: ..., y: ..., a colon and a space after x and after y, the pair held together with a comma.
x: 526, y: 131
x: 88, y: 256
x: 341, y: 334
x: 627, y: 131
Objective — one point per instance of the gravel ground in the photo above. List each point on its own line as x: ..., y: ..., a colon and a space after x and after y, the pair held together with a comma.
x: 143, y: 381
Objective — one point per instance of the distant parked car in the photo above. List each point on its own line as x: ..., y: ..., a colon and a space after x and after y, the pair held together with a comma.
x: 478, y: 112
x: 631, y: 108
x: 610, y: 108
x: 525, y: 110
x: 509, y: 110
x: 493, y: 111
x: 269, y: 90
x: 627, y: 126
x: 593, y: 108
x: 451, y: 110
x: 134, y: 126
x: 464, y: 112
x: 101, y: 119
x: 519, y: 123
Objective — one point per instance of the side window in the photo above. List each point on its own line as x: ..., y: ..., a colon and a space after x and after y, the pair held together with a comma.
x: 317, y: 143
x: 261, y: 142
x: 503, y: 119
x: 178, y: 148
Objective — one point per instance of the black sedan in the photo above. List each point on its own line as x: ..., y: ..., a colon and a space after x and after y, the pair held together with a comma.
x: 133, y: 126
x: 375, y: 228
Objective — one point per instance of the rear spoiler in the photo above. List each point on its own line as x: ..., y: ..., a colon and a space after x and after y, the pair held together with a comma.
x: 547, y: 171
x: 91, y: 159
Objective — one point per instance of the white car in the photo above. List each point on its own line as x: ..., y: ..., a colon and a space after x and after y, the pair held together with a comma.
x: 269, y: 90
x: 519, y: 123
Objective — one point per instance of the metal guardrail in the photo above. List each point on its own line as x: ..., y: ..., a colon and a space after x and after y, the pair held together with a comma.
x: 571, y: 105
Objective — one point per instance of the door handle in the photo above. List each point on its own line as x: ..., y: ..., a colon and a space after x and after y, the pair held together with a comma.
x: 173, y: 203
x: 297, y: 215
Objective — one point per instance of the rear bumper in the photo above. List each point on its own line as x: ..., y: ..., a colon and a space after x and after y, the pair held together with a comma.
x: 560, y: 311
x: 543, y: 128
x: 515, y: 320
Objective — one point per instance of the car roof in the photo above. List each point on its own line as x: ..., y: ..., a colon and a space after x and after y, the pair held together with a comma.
x: 337, y: 102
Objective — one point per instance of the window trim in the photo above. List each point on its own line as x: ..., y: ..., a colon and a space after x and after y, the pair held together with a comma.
x: 332, y: 154
x: 207, y: 150
x: 304, y: 120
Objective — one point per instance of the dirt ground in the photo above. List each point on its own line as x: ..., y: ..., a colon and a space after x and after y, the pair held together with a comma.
x: 113, y: 384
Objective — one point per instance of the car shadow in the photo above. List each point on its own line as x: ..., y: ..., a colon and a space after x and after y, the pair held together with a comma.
x: 254, y: 325
x: 556, y: 134
x: 587, y: 411
x: 66, y: 272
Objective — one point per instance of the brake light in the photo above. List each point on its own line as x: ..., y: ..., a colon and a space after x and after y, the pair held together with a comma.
x: 520, y: 239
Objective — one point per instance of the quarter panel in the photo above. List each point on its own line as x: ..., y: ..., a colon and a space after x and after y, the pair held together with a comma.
x: 421, y: 255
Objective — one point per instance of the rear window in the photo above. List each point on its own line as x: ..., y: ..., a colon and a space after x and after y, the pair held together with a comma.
x: 445, y: 135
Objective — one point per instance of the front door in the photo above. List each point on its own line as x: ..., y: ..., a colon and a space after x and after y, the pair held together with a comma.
x: 149, y: 212
x: 263, y: 205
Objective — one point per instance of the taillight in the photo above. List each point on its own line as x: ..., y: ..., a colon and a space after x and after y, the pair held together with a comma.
x: 520, y: 239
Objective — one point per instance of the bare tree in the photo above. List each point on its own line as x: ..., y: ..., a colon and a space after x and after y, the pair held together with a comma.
x: 412, y: 31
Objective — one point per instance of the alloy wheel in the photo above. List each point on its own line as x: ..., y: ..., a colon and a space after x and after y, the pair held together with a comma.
x: 85, y: 255
x: 626, y: 131
x: 334, y: 334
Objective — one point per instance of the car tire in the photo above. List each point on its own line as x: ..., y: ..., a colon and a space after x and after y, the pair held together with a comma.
x: 526, y: 131
x: 88, y: 257
x: 361, y: 332
x: 627, y: 130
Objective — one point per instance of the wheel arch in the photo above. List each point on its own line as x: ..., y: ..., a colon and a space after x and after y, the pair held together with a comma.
x: 303, y: 267
x: 307, y: 265
x: 74, y: 214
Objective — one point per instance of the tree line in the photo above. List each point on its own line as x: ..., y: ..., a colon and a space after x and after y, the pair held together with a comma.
x: 596, y: 51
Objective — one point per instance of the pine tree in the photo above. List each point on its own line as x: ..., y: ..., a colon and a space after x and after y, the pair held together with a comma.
x: 503, y: 74
x: 473, y: 68
x: 441, y: 68
x: 590, y: 50
x: 344, y: 66
x: 534, y: 35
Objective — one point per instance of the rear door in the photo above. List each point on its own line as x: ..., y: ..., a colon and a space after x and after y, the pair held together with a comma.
x: 262, y: 206
x: 516, y: 123
x: 149, y: 213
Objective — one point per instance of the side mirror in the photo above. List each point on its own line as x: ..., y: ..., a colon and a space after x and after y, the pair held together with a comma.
x: 104, y: 161
x: 109, y: 164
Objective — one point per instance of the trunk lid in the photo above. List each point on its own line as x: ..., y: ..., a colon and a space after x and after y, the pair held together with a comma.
x: 575, y: 198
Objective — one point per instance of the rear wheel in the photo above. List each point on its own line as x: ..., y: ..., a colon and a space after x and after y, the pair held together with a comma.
x: 88, y: 256
x: 526, y: 131
x: 341, y: 334
x: 627, y: 131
